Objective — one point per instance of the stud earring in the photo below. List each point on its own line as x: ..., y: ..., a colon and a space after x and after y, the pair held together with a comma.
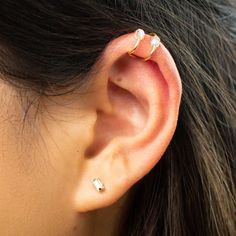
x: 139, y: 35
x: 98, y: 184
x: 155, y: 42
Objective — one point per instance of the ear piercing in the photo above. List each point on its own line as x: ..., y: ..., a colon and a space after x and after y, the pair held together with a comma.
x: 154, y: 42
x: 98, y: 184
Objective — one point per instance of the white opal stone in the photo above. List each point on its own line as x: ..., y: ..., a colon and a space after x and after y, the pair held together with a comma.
x: 155, y: 41
x: 139, y: 34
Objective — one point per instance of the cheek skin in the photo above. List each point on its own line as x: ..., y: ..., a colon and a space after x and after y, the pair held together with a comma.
x: 38, y: 180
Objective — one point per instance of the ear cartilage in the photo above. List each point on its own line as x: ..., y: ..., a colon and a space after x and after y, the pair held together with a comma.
x: 98, y: 184
x: 139, y: 35
x: 155, y: 42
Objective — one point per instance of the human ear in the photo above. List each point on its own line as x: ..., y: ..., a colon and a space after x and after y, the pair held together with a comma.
x: 137, y: 105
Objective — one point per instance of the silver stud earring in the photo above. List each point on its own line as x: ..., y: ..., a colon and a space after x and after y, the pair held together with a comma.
x: 98, y: 184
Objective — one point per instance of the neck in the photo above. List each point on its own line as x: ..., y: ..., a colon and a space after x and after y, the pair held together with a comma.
x: 103, y: 221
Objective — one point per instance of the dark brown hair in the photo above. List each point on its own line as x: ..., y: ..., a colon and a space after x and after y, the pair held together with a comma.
x: 49, y: 46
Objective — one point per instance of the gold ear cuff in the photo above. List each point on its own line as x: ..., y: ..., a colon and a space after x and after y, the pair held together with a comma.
x: 155, y: 42
x: 139, y: 36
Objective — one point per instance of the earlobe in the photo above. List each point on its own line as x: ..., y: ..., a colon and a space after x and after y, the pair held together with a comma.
x: 130, y: 137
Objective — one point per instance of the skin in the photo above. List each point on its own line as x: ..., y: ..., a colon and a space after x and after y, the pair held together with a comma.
x: 117, y: 131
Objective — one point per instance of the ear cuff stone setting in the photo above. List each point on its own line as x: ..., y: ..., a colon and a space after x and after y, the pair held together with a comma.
x: 139, y: 36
